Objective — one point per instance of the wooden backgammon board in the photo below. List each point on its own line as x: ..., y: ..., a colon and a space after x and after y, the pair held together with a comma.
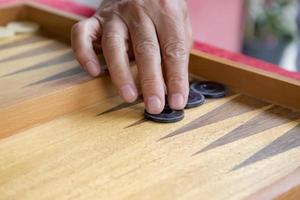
x: 66, y: 136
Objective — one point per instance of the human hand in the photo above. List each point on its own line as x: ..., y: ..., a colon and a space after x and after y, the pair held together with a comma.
x: 158, y: 32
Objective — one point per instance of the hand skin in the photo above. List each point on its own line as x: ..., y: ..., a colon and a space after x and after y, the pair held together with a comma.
x: 160, y: 36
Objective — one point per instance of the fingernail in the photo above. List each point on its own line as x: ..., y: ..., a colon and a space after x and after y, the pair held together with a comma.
x: 128, y: 93
x: 154, y: 105
x: 177, y: 101
x: 92, y: 68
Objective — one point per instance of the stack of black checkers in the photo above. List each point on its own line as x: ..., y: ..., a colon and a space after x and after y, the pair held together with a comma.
x: 198, y: 92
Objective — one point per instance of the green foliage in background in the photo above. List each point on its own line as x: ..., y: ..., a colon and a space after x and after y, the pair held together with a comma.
x: 271, y: 20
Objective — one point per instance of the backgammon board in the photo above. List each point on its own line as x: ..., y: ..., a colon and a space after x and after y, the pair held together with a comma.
x: 67, y: 136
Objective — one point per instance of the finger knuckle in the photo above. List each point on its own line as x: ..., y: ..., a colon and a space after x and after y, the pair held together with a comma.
x: 175, y: 50
x: 147, y: 46
x: 138, y: 22
x: 165, y: 3
x: 132, y: 8
x: 149, y: 82
x: 176, y: 78
x: 138, y: 17
x: 134, y: 3
x: 112, y: 41
x: 173, y: 9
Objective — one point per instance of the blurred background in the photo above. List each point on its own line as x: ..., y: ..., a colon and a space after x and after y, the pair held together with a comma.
x: 264, y: 29
x: 271, y: 32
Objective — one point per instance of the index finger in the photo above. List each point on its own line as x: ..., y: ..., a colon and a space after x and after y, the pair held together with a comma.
x: 83, y: 35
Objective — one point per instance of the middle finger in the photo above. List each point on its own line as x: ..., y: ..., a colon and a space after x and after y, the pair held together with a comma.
x: 147, y: 53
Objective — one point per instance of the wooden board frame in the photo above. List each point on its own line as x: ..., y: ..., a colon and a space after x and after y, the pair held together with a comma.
x: 264, y: 85
x: 35, y: 110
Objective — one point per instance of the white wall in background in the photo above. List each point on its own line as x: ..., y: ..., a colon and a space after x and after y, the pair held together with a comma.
x: 289, y: 57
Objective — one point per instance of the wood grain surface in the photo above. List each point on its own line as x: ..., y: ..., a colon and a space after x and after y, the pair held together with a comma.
x: 66, y: 136
x: 85, y: 155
